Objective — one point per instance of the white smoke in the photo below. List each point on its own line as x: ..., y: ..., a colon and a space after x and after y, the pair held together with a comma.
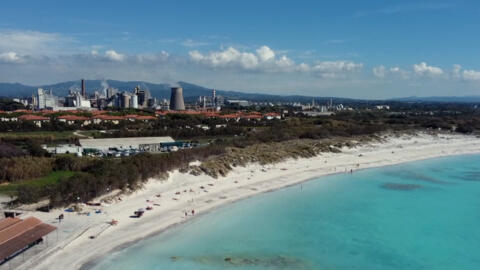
x: 105, y: 86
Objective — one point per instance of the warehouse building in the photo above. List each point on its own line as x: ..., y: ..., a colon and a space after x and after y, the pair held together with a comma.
x: 144, y: 144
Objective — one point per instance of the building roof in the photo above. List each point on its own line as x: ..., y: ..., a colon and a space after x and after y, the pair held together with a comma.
x: 251, y: 116
x: 7, y: 222
x: 272, y: 114
x: 73, y: 118
x: 124, y: 143
x: 230, y: 116
x: 98, y: 112
x: 108, y: 117
x: 146, y: 117
x: 16, y: 234
x: 32, y: 117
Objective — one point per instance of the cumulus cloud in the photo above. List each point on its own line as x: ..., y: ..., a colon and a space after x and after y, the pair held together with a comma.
x: 114, y: 56
x: 456, y: 70
x: 467, y: 74
x: 423, y: 69
x: 230, y: 57
x: 334, y: 69
x: 10, y: 57
x: 264, y: 59
x: 379, y: 72
x: 265, y: 53
x: 472, y: 75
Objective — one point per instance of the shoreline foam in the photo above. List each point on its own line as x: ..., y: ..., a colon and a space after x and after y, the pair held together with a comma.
x: 79, y: 251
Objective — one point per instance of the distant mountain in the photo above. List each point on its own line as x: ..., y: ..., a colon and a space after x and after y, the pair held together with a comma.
x: 15, y: 90
x: 451, y: 99
x: 191, y: 91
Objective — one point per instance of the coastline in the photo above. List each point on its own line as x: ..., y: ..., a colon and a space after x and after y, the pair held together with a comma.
x: 78, y: 251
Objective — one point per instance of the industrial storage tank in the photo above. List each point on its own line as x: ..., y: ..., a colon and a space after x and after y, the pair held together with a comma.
x: 176, y: 99
x: 134, y: 102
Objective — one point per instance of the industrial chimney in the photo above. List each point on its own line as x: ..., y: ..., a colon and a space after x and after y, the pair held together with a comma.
x: 84, y: 91
x: 176, y: 99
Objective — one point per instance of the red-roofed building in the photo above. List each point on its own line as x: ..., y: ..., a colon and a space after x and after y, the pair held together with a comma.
x: 17, y: 235
x: 97, y: 119
x: 22, y: 111
x: 232, y: 116
x: 36, y: 119
x: 270, y: 116
x: 251, y: 116
x: 146, y: 118
x: 98, y: 112
x: 75, y: 119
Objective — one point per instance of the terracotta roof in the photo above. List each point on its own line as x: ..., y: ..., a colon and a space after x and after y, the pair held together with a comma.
x: 230, y: 116
x: 73, y: 118
x: 32, y: 117
x: 272, y: 114
x: 19, y: 228
x: 146, y: 117
x: 108, y: 117
x: 20, y: 233
x: 98, y: 112
x: 47, y: 112
x: 251, y: 116
x: 7, y: 222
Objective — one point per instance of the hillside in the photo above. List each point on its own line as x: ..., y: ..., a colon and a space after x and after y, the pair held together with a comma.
x: 191, y: 91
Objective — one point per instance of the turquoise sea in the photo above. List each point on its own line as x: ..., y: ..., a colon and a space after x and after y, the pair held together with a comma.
x: 419, y: 215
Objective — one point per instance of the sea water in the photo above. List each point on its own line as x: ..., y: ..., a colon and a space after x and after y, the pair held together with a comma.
x: 418, y: 215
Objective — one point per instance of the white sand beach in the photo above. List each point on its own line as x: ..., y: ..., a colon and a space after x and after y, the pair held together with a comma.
x: 72, y: 246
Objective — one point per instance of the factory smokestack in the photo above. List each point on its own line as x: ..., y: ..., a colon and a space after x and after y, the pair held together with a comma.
x: 176, y: 99
x: 84, y: 91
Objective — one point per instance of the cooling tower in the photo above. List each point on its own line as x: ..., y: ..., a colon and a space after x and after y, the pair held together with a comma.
x: 176, y: 99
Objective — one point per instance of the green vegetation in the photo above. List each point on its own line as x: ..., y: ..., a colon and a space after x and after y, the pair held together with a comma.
x: 39, y: 135
x: 235, y: 144
x: 50, y: 179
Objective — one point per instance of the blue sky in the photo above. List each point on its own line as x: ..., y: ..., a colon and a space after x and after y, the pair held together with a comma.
x: 365, y: 49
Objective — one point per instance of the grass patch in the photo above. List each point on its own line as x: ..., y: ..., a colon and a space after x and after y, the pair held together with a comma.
x: 52, y: 178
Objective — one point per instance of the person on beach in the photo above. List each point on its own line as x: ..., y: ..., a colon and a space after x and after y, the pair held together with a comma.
x: 193, y: 212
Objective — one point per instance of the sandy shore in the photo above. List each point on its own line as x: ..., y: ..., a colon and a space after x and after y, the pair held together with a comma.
x: 73, y: 248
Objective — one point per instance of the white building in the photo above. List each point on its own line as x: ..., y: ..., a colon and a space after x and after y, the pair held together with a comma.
x: 45, y: 99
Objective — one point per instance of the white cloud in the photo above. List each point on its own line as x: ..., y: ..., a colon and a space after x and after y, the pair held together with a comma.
x: 114, y: 56
x: 267, y: 60
x: 379, y: 72
x: 151, y: 57
x: 456, y: 71
x: 303, y: 67
x: 400, y: 72
x: 423, y: 69
x: 471, y: 75
x: 265, y: 53
x: 230, y: 57
x: 34, y: 43
x: 334, y: 69
x: 10, y: 57
x: 193, y: 43
x: 467, y: 74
